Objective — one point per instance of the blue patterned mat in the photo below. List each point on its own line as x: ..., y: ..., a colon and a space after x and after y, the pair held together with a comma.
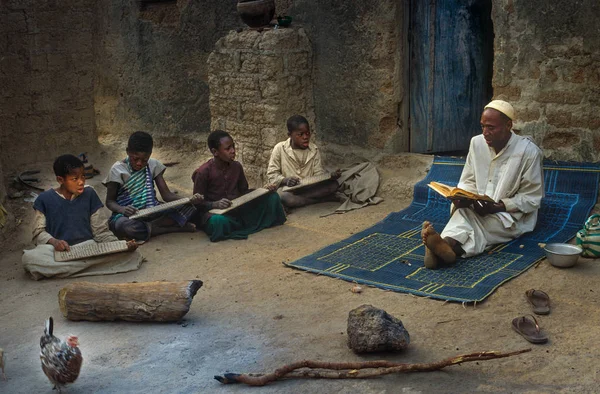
x: 380, y: 255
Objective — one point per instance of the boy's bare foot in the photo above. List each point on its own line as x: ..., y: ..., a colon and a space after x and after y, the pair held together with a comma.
x: 189, y: 227
x: 436, y: 248
x: 160, y: 230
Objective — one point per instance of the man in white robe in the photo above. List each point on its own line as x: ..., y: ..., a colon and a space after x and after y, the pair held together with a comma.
x: 504, y: 166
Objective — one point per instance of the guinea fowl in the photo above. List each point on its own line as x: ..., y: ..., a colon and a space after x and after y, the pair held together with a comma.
x: 61, y: 361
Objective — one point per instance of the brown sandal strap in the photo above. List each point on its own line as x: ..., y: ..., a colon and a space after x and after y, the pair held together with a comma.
x: 537, y: 326
x: 531, y: 293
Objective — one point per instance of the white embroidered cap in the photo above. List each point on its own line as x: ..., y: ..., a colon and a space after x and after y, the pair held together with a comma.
x: 502, y: 106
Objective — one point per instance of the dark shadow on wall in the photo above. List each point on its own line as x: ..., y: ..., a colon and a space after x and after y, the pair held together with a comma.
x: 152, y: 68
x: 355, y: 44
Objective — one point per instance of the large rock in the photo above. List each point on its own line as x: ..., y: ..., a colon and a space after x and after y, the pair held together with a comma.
x: 374, y: 330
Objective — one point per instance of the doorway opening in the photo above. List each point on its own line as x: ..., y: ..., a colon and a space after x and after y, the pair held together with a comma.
x: 450, y: 63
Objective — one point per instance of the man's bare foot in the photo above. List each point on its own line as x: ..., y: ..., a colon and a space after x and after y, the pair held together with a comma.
x: 431, y: 261
x: 436, y: 248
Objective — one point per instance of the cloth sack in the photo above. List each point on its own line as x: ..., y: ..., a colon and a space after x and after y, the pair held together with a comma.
x: 358, y: 186
x: 589, y: 237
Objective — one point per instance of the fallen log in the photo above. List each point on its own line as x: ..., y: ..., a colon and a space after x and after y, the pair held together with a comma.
x: 149, y: 301
x: 310, y: 369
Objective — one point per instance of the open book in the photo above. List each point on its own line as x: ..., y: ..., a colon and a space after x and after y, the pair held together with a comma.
x: 456, y: 192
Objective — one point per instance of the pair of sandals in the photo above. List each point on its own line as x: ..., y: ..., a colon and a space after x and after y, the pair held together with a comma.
x: 529, y: 328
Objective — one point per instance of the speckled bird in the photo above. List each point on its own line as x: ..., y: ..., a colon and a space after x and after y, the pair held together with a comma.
x: 61, y: 360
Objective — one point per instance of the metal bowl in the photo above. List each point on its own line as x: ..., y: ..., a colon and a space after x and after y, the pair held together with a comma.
x: 562, y: 255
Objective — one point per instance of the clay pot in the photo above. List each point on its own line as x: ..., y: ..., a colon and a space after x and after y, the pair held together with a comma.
x: 256, y: 13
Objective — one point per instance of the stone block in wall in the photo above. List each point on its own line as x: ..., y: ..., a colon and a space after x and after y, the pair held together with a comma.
x: 527, y: 113
x: 260, y: 113
x: 43, y: 42
x: 225, y: 108
x: 38, y: 62
x: 85, y: 81
x: 560, y: 97
x: 559, y: 119
x: 242, y: 40
x: 388, y: 127
x: 225, y: 61
x: 244, y: 131
x: 12, y: 65
x: 270, y: 65
x: 273, y: 135
x: 42, y: 104
x: 596, y: 142
x: 508, y: 93
x: 234, y: 86
x: 594, y: 74
x: 2, y: 188
x: 283, y: 39
x: 34, y: 124
x: 38, y: 83
x: 19, y: 44
x: 560, y: 139
x: 574, y: 74
x: 9, y: 84
x: 19, y: 4
x: 590, y: 119
x: 248, y: 63
x: 58, y: 61
x: 298, y: 62
x: 49, y: 20
x: 503, y: 61
x: 13, y: 22
x: 594, y: 94
x: 19, y: 101
x: 548, y: 76
x: 272, y: 90
x: 255, y: 174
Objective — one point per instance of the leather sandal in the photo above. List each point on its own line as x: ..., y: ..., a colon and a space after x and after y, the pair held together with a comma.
x: 539, y: 300
x: 529, y: 329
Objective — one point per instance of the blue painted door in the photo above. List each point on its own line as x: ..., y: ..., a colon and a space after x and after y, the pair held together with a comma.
x: 451, y: 55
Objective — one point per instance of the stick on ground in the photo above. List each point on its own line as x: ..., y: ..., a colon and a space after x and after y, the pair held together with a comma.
x: 353, y: 370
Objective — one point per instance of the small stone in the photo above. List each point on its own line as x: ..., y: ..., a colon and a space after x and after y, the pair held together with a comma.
x: 374, y: 330
x: 356, y: 289
x: 521, y: 246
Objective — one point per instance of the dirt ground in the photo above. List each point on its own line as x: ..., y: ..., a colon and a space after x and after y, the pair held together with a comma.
x: 253, y: 314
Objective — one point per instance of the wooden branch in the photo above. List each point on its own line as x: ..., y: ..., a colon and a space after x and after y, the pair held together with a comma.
x: 150, y: 301
x: 353, y: 370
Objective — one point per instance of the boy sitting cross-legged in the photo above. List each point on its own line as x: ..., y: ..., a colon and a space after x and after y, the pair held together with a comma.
x: 70, y: 215
x: 298, y: 158
x: 130, y: 187
x: 220, y: 180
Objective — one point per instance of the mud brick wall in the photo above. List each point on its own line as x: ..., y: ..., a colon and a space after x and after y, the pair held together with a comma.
x: 257, y: 81
x: 47, y: 80
x: 547, y: 63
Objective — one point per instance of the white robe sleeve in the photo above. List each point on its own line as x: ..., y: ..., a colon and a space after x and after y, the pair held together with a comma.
x: 531, y: 189
x: 467, y: 178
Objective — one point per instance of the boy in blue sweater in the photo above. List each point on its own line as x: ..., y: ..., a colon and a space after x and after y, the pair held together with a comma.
x: 70, y: 215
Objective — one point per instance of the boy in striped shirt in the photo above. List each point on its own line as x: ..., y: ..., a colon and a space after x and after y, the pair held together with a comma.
x: 130, y: 187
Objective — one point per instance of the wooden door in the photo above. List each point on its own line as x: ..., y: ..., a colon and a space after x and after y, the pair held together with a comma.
x: 450, y: 68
